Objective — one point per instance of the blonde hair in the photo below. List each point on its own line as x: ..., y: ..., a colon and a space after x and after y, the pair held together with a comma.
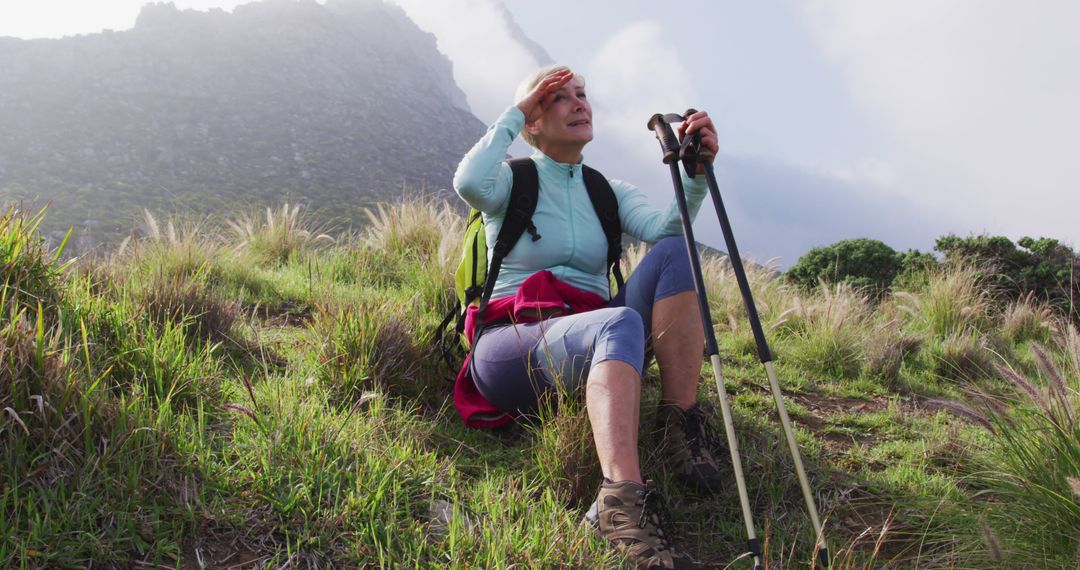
x: 530, y: 83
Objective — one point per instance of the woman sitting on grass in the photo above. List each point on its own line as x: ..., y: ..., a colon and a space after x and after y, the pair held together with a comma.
x: 515, y: 365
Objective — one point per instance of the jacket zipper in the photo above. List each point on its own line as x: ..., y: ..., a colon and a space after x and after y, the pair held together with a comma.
x: 570, y: 210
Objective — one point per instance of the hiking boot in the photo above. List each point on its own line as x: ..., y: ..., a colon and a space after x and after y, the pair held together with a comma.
x: 686, y: 438
x: 628, y: 515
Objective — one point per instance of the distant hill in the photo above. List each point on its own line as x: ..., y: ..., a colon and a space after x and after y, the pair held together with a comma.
x: 332, y: 105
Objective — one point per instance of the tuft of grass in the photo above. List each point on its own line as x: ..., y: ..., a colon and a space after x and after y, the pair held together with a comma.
x: 632, y: 257
x: 1068, y: 342
x: 887, y: 348
x: 30, y: 273
x: 828, y: 335
x: 364, y: 346
x: 954, y: 302
x: 563, y: 453
x: 427, y: 229
x: 725, y: 300
x: 47, y: 395
x: 174, y: 248
x: 1036, y: 452
x: 279, y: 236
x: 176, y: 274
x: 1027, y: 320
x: 961, y: 358
x: 189, y: 302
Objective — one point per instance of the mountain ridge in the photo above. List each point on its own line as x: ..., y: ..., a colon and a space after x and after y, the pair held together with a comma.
x: 335, y: 105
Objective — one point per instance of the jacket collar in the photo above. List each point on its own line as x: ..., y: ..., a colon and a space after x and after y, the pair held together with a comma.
x: 549, y: 164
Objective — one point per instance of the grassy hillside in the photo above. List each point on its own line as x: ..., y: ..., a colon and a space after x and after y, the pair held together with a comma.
x: 251, y: 392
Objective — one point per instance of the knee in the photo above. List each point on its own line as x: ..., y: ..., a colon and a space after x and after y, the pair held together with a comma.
x: 673, y: 251
x: 671, y: 245
x: 622, y: 321
x: 622, y: 335
x: 676, y: 260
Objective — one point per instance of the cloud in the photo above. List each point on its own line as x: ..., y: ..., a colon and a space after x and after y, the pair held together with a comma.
x: 489, y: 52
x: 783, y: 210
x: 633, y: 75
x: 979, y: 99
x: 58, y: 18
x: 777, y: 210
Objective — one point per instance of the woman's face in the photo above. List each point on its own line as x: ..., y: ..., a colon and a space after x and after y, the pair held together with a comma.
x: 567, y: 121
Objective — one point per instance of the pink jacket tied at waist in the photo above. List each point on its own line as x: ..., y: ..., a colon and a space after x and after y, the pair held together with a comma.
x: 540, y: 296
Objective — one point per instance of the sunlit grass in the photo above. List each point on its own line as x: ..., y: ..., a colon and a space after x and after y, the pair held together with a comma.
x: 265, y: 394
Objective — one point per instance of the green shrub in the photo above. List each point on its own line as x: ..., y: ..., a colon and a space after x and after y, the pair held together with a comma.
x: 916, y: 267
x: 863, y: 263
x: 1045, y: 267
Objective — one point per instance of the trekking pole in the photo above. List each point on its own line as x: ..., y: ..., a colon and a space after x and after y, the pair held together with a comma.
x: 690, y: 153
x: 670, y: 145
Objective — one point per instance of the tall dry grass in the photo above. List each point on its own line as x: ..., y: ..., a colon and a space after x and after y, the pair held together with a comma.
x: 174, y: 274
x: 424, y: 227
x: 278, y: 236
x: 1037, y: 452
x: 725, y: 299
x: 954, y: 302
x: 827, y: 331
x: 1068, y: 342
x: 1026, y: 320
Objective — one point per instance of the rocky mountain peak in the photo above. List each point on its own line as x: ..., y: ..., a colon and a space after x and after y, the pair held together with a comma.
x: 334, y: 105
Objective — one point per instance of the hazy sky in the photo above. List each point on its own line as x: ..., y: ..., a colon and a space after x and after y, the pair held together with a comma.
x: 900, y: 120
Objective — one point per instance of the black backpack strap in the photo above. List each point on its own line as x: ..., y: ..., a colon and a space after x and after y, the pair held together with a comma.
x: 518, y: 220
x: 441, y: 339
x: 607, y: 209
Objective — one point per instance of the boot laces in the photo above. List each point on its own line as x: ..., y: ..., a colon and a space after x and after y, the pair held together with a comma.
x: 652, y: 510
x: 699, y: 431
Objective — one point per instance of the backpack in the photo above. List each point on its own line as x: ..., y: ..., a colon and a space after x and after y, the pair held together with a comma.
x: 475, y: 278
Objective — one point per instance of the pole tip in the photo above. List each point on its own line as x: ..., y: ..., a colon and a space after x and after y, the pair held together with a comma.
x: 823, y: 556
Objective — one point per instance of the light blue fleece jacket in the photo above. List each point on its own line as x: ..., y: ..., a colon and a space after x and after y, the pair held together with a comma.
x: 572, y: 244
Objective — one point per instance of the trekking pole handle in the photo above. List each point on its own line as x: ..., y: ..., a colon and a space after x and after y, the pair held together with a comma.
x: 668, y: 142
x: 698, y: 151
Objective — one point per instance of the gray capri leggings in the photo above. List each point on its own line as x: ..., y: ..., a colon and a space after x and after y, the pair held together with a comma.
x: 514, y: 365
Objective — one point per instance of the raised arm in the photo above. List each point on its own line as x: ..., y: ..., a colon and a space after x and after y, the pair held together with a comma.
x: 482, y: 179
